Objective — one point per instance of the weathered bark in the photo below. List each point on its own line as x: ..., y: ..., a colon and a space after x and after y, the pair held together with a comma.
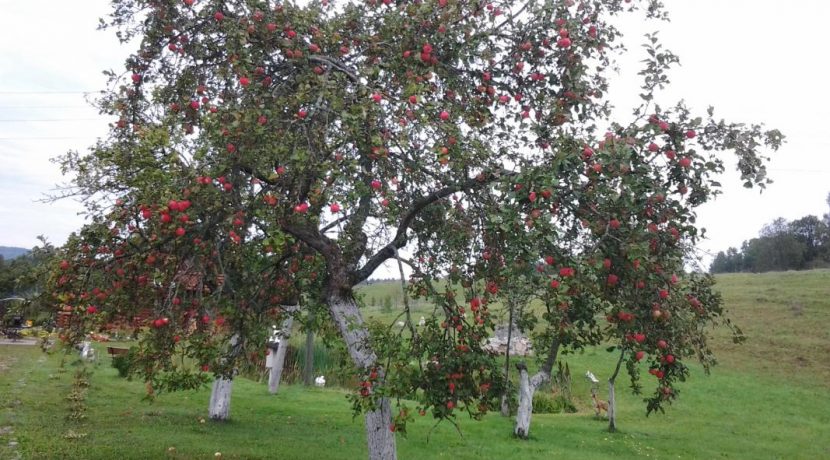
x: 528, y: 386
x: 612, y: 397
x: 220, y: 399
x: 612, y: 407
x: 308, y: 369
x: 347, y: 317
x: 219, y: 407
x: 525, y: 410
x: 275, y: 375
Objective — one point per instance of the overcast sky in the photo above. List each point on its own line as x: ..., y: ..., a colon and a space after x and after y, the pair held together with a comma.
x: 754, y: 60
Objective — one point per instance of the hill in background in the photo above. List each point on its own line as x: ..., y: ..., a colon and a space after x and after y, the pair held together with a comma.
x: 10, y: 252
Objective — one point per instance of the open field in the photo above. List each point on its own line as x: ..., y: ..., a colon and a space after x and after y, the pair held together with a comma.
x: 768, y: 399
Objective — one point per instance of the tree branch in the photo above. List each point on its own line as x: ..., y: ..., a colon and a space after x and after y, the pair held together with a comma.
x: 336, y: 65
x: 400, y: 239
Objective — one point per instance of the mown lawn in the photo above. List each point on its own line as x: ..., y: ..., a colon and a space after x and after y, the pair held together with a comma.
x: 768, y: 399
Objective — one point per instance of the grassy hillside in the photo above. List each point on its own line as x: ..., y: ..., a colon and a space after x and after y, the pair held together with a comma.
x: 768, y: 399
x: 786, y: 319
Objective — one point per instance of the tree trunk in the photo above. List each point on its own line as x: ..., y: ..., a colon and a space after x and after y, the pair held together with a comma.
x: 525, y: 410
x: 308, y: 369
x: 612, y: 407
x: 220, y: 399
x: 347, y: 317
x: 528, y: 386
x: 505, y: 406
x: 219, y: 407
x: 275, y: 375
x: 612, y: 397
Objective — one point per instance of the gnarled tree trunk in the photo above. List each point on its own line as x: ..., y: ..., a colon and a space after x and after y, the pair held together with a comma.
x: 219, y: 407
x: 347, y: 317
x: 275, y: 375
x: 528, y: 386
x: 220, y: 399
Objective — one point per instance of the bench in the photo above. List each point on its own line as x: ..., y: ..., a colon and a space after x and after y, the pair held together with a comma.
x: 115, y: 351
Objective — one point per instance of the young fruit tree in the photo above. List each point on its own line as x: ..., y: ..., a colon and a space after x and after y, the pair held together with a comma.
x: 265, y: 151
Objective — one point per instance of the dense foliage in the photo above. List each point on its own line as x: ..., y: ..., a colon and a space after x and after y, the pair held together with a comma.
x: 24, y: 277
x: 268, y: 154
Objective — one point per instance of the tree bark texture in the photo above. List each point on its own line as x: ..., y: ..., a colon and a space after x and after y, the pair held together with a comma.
x: 220, y: 399
x: 612, y: 407
x: 275, y: 375
x: 612, y: 398
x: 347, y: 317
x: 219, y: 407
x: 528, y: 386
x: 525, y: 410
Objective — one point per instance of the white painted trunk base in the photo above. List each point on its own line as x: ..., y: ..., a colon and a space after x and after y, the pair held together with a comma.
x: 525, y: 410
x: 275, y: 375
x: 220, y: 399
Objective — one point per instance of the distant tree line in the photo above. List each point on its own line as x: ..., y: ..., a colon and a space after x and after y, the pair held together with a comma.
x: 23, y: 277
x: 781, y: 245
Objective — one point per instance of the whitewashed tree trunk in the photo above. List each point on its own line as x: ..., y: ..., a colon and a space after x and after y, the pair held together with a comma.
x: 219, y: 407
x: 347, y: 317
x: 525, y: 410
x: 612, y: 407
x: 528, y: 386
x: 220, y: 399
x: 275, y: 375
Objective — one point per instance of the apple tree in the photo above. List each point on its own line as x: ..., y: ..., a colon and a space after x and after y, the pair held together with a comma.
x: 263, y: 151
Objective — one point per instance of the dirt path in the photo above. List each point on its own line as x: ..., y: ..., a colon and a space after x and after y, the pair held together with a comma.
x: 5, y: 341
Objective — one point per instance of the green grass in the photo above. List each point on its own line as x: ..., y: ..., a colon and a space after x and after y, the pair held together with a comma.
x: 786, y: 319
x: 762, y: 402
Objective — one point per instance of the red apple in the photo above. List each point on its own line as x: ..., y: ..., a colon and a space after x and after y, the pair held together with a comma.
x: 554, y: 284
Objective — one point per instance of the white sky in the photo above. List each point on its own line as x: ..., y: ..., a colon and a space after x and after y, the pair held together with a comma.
x: 754, y: 60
